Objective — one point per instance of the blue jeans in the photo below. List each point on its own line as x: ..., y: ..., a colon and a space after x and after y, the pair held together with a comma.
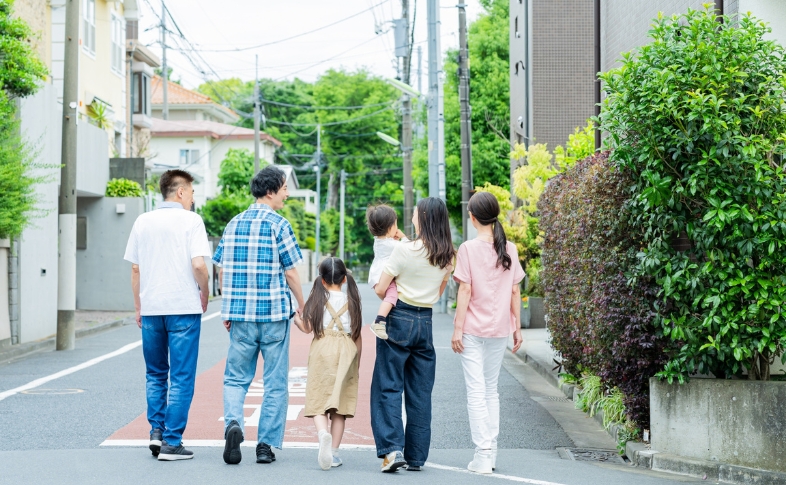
x: 246, y: 341
x: 406, y: 362
x: 170, y: 344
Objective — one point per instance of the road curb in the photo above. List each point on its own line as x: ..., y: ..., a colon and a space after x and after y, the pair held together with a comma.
x: 26, y: 348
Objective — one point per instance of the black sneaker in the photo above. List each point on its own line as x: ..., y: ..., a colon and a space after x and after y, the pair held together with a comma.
x: 413, y: 468
x: 233, y: 437
x: 265, y: 454
x: 174, y: 453
x: 156, y: 437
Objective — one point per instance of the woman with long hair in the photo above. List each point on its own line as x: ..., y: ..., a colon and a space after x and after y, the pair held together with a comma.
x: 406, y: 361
x: 487, y: 270
x: 335, y: 319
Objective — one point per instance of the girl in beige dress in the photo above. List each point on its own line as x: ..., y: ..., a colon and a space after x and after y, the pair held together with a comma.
x: 332, y: 385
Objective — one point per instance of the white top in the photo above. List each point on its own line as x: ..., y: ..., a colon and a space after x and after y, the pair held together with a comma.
x: 337, y: 300
x: 162, y: 243
x: 417, y: 281
x: 383, y: 248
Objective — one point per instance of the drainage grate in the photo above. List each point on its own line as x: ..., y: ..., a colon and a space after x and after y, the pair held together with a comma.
x: 589, y: 454
x: 550, y: 398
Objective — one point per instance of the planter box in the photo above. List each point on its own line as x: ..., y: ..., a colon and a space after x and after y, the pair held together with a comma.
x: 727, y: 421
x: 525, y: 316
x: 537, y: 314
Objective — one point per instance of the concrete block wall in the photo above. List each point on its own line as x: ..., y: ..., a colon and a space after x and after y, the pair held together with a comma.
x: 563, y: 68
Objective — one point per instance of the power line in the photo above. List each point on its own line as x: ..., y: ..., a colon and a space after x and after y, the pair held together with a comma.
x: 239, y: 49
x: 326, y: 107
x: 333, y: 123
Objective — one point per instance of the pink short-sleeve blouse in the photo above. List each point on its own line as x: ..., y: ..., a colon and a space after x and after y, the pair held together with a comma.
x: 488, y: 314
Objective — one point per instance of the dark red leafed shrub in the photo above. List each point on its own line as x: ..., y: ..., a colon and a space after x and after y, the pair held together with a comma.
x: 600, y: 321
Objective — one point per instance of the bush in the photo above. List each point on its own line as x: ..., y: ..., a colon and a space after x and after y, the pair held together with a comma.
x: 697, y: 121
x: 123, y: 188
x: 599, y: 322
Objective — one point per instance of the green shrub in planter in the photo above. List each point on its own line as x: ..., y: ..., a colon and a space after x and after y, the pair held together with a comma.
x: 123, y: 188
x: 697, y: 118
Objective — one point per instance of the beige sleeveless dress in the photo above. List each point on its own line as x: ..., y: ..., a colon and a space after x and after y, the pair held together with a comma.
x: 332, y: 382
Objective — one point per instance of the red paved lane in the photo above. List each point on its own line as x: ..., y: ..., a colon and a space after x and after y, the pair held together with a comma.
x: 205, y: 420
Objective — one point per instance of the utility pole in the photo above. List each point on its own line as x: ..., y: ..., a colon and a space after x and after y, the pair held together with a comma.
x: 164, y: 68
x: 436, y: 111
x: 256, y: 117
x: 466, y: 117
x: 66, y: 260
x: 341, y: 217
x: 597, y: 70
x: 420, y: 69
x: 318, y: 170
x: 406, y: 129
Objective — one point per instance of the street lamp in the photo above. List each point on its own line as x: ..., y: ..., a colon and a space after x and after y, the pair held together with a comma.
x: 404, y: 87
x: 389, y: 139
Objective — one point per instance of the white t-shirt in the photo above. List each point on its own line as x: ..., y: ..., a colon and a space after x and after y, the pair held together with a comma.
x: 337, y: 300
x: 383, y: 248
x: 162, y: 243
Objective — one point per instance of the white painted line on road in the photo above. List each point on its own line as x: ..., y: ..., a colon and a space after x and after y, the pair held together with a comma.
x: 70, y: 370
x: 212, y: 315
x: 220, y: 444
x: 493, y: 475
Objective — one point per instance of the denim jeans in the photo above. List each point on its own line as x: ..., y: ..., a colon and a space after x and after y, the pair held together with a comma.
x: 406, y: 362
x: 246, y: 341
x: 170, y: 345
x: 482, y: 361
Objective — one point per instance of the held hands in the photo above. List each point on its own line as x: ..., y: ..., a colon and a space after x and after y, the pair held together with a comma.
x: 456, y: 342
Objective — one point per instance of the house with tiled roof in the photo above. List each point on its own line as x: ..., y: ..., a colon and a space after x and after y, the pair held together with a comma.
x: 197, y: 136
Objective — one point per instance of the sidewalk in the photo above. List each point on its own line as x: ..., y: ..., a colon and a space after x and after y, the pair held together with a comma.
x: 86, y: 322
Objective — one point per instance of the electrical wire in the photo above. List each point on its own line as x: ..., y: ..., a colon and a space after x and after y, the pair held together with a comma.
x: 333, y: 123
x: 303, y: 106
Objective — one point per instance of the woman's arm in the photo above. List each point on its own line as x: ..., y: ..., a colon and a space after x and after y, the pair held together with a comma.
x: 515, y: 308
x: 462, y: 303
x: 382, y: 285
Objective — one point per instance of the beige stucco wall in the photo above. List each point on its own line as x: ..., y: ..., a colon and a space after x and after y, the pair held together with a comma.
x: 36, y: 14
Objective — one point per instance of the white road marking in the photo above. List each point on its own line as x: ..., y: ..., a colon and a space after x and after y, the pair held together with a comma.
x: 83, y: 365
x: 293, y: 411
x: 220, y: 443
x: 493, y: 475
x: 70, y: 370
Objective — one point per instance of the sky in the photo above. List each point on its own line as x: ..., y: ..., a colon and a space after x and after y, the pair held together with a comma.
x: 237, y: 24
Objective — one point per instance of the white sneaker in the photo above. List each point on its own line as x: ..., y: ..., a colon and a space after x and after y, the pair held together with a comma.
x: 325, y: 457
x: 482, y: 463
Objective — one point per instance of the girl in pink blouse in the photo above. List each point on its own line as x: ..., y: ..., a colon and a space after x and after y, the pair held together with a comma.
x: 487, y: 312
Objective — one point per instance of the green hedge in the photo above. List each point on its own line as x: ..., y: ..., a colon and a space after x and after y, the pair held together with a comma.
x: 123, y: 188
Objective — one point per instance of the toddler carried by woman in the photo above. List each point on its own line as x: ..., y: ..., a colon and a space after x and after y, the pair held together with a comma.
x: 332, y: 385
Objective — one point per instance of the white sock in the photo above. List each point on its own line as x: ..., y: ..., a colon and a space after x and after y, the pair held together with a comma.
x: 335, y: 451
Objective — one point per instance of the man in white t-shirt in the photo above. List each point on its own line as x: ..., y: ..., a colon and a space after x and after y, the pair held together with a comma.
x: 169, y: 278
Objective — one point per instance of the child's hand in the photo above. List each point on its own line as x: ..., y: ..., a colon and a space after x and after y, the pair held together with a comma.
x: 399, y: 235
x: 299, y: 323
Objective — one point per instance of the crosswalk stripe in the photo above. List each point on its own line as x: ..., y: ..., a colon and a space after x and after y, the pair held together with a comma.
x: 493, y: 475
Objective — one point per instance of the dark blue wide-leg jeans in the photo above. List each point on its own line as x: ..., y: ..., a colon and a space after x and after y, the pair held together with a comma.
x: 406, y: 362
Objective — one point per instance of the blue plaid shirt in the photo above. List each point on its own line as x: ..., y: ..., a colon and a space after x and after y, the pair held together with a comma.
x: 258, y: 246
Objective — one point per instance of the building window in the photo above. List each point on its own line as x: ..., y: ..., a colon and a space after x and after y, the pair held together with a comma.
x: 188, y: 157
x: 140, y: 93
x: 89, y: 23
x: 117, y: 44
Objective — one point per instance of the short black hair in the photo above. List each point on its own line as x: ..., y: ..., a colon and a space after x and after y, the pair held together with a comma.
x: 171, y: 180
x: 269, y: 179
x: 380, y: 218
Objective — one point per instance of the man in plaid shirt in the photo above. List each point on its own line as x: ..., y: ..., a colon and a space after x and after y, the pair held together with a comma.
x: 257, y: 255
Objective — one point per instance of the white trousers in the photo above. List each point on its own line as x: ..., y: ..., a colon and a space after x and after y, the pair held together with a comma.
x: 482, y: 360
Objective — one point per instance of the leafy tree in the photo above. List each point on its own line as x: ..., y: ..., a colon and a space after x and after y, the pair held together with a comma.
x: 21, y: 71
x: 217, y: 213
x: 237, y: 170
x: 490, y: 101
x: 696, y: 119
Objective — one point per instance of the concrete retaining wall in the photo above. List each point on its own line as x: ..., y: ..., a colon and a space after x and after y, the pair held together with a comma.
x: 727, y: 421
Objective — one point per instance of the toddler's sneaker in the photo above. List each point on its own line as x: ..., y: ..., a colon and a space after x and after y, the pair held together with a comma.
x: 379, y: 330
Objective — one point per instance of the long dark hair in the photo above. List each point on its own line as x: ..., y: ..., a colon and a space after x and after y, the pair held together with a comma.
x: 434, y: 231
x: 485, y: 208
x: 333, y: 271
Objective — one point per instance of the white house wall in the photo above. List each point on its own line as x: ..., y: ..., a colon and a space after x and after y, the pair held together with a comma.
x: 37, y: 249
x: 771, y: 11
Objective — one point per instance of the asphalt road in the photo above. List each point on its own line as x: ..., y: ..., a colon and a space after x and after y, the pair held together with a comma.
x: 53, y: 433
